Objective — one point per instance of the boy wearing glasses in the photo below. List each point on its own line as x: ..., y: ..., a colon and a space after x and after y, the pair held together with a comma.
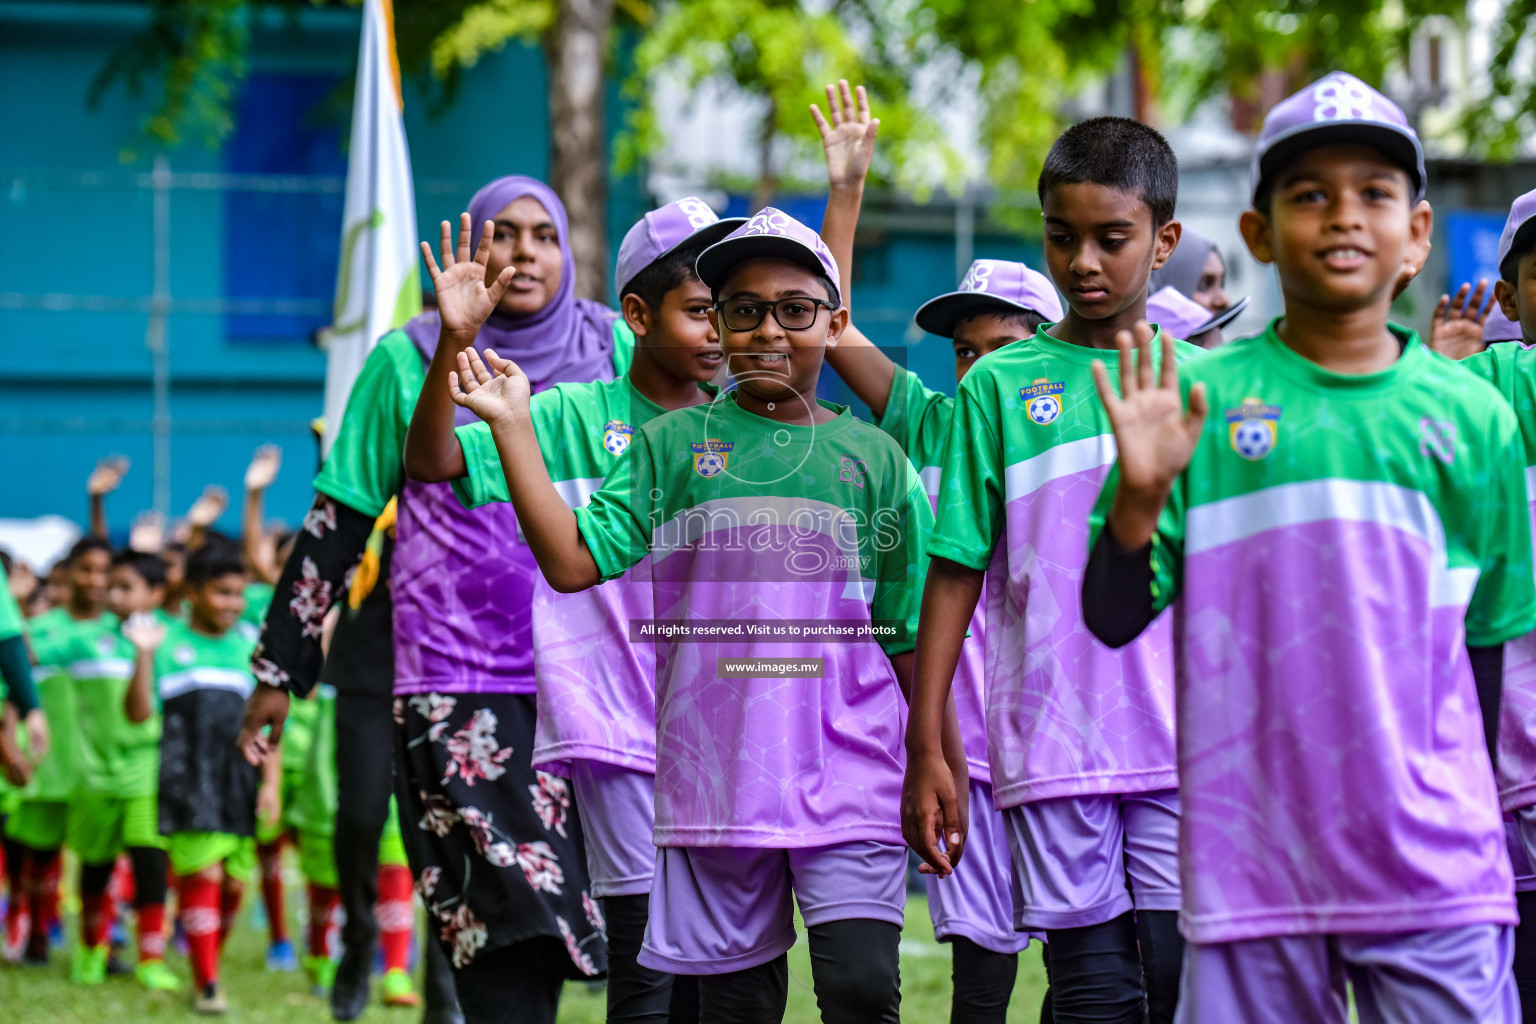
x: 785, y: 541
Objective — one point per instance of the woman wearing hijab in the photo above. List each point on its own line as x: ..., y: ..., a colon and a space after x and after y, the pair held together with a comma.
x: 495, y: 846
x: 1197, y: 270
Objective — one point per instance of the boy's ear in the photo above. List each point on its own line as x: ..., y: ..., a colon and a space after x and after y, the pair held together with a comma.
x: 1421, y: 229
x: 1167, y: 240
x: 636, y: 314
x: 836, y: 325
x: 714, y: 321
x: 1257, y: 235
x: 1504, y: 295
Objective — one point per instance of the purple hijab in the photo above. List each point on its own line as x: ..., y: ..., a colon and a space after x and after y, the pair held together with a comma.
x: 570, y: 339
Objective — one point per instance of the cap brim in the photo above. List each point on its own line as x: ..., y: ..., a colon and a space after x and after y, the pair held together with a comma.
x: 709, y: 234
x: 1394, y: 142
x: 1223, y: 318
x: 716, y: 261
x: 1523, y: 240
x: 943, y: 314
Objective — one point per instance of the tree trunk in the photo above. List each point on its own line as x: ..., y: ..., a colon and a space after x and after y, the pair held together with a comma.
x: 575, y: 49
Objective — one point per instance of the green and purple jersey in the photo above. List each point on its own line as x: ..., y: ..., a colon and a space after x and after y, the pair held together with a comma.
x: 1028, y: 450
x: 1336, y: 543
x: 596, y: 689
x: 786, y: 568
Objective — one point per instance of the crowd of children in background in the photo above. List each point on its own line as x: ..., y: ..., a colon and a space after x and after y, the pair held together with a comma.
x: 1213, y: 671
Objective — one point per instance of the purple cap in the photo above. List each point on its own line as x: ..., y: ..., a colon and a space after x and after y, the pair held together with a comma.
x: 988, y: 285
x: 770, y: 232
x: 1499, y: 327
x: 664, y: 229
x: 1337, y: 109
x: 1181, y: 316
x: 1519, y: 233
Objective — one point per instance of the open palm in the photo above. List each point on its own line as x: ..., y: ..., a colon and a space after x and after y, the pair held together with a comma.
x: 464, y: 300
x: 849, y: 138
x: 491, y: 393
x: 1457, y: 327
x: 1154, y: 433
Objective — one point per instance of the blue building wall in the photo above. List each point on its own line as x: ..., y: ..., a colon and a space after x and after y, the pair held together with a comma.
x: 256, y: 222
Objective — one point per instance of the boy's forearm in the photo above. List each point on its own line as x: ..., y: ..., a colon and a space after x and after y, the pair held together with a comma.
x: 98, y: 516
x: 839, y: 225
x: 272, y: 770
x: 251, y: 520
x: 549, y: 525
x: 432, y: 450
x: 137, y: 705
x: 868, y: 372
x: 949, y: 599
x: 1133, y: 515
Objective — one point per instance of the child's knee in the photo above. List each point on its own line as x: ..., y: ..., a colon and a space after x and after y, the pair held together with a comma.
x: 857, y: 970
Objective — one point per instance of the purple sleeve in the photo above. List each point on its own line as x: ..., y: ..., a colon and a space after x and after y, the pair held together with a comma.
x: 328, y: 548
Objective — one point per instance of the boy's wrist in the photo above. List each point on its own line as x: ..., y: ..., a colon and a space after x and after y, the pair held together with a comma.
x: 1133, y: 515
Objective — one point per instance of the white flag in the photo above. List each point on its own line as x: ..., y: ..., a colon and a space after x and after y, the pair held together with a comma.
x: 378, y: 284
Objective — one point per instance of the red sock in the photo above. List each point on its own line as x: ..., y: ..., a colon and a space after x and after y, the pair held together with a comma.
x: 122, y: 880
x: 49, y: 914
x: 396, y: 914
x: 229, y: 908
x: 151, y: 932
x: 323, y: 901
x: 270, y: 857
x: 95, y: 917
x: 200, y: 924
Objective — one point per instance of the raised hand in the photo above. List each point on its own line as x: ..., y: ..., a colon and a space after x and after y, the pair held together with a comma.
x: 849, y: 140
x: 464, y: 299
x: 263, y: 468
x: 490, y: 394
x: 147, y: 533
x: 205, y: 511
x: 107, y: 476
x: 144, y: 631
x: 1154, y: 433
x: 1457, y: 328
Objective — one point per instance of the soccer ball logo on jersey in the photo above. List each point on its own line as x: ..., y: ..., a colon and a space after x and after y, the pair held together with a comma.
x: 616, y: 436
x: 1042, y: 401
x: 1253, y: 427
x: 184, y: 655
x: 710, y: 457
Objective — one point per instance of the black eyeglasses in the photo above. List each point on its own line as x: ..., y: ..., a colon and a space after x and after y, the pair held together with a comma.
x: 793, y: 314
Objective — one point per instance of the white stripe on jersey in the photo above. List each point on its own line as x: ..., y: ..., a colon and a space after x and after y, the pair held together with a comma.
x: 1312, y: 501
x: 204, y: 678
x: 102, y: 668
x: 1080, y: 456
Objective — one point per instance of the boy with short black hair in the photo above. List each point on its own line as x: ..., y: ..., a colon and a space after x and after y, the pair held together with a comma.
x: 37, y: 826
x: 198, y: 674
x: 1080, y: 738
x: 115, y: 807
x: 596, y: 690
x: 998, y: 303
x: 765, y: 505
x: 1350, y: 543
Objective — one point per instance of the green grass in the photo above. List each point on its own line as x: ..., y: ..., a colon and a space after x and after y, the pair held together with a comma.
x: 44, y: 995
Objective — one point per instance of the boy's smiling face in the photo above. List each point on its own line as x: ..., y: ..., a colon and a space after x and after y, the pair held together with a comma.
x: 1341, y: 227
x: 770, y: 362
x: 1101, y: 247
x: 680, y: 335
x: 128, y: 592
x: 218, y: 604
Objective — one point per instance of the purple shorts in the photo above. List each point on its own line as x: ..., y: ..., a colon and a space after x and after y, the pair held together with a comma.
x: 976, y: 902
x: 1520, y: 835
x: 618, y: 813
x: 1071, y: 856
x: 1446, y: 976
x: 718, y: 909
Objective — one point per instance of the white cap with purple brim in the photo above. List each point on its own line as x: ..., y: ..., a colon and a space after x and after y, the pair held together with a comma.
x: 988, y: 286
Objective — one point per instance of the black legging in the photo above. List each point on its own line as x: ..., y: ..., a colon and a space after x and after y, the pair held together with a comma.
x: 516, y: 984
x: 636, y: 994
x: 1096, y: 974
x: 855, y: 969
x: 982, y: 982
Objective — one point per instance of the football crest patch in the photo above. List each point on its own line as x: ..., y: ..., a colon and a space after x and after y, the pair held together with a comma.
x: 1042, y: 400
x: 711, y: 456
x: 616, y: 436
x: 1253, y: 428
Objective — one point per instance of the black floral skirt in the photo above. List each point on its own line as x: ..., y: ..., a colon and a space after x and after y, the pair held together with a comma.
x: 495, y: 847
